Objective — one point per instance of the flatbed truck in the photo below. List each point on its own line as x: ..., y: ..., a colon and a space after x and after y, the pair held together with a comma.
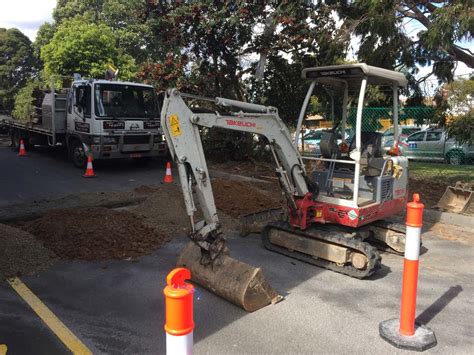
x: 108, y: 119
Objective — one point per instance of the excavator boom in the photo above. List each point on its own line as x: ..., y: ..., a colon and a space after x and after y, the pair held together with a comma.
x: 206, y: 255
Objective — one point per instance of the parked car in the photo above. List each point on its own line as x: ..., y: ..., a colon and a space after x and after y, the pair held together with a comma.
x: 312, y: 141
x: 404, y: 132
x: 435, y: 145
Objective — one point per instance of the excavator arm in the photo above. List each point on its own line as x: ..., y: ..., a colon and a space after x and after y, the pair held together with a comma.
x: 181, y: 124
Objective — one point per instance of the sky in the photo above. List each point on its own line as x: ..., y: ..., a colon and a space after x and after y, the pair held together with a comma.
x: 29, y: 15
x: 26, y: 15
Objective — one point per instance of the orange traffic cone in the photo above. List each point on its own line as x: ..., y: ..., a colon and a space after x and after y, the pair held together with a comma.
x: 89, y: 170
x: 22, y: 152
x: 168, y: 177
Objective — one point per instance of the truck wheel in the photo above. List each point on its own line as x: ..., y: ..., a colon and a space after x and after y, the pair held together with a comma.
x: 456, y: 157
x: 15, y: 137
x: 77, y: 154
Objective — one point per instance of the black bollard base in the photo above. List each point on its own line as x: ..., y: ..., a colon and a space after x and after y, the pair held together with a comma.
x: 423, y: 339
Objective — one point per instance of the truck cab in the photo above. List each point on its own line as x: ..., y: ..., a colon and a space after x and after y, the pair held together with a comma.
x: 112, y: 119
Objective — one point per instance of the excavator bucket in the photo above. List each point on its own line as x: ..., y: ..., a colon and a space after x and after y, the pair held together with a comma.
x: 233, y: 280
x: 456, y: 198
x: 256, y: 222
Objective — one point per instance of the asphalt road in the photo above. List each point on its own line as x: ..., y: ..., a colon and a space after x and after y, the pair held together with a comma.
x: 46, y: 173
x: 117, y: 307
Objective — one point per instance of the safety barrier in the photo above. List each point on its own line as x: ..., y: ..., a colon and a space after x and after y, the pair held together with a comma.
x: 179, y: 313
x: 404, y: 333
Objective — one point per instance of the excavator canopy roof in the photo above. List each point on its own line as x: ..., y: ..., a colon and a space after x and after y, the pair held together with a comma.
x: 353, y: 74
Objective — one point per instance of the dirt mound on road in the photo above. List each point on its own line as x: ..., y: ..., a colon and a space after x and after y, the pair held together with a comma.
x: 164, y: 209
x: 237, y: 198
x: 95, y: 234
x: 21, y: 253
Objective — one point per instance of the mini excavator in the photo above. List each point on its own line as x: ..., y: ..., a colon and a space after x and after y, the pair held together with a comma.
x: 332, y: 214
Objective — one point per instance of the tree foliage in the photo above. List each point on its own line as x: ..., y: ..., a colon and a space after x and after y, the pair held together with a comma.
x: 17, y: 64
x: 65, y: 10
x: 86, y: 48
x: 44, y: 35
x: 459, y: 98
x: 27, y: 98
x: 385, y: 41
x: 462, y: 128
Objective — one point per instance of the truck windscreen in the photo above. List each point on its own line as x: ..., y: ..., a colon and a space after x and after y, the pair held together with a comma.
x: 125, y: 101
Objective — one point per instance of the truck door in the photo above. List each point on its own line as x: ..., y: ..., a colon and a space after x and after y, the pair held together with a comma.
x: 81, y: 108
x: 434, y: 143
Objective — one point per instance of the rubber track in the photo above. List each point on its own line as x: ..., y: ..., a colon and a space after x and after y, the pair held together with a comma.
x: 353, y: 243
x: 395, y: 226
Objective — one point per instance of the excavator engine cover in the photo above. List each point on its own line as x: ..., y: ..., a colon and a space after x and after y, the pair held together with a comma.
x: 233, y: 280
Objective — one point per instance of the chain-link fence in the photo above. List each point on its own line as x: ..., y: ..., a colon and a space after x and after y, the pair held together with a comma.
x: 436, y: 160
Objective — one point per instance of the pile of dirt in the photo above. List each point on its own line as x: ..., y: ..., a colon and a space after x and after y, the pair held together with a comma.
x: 164, y: 209
x: 95, y: 234
x: 237, y: 198
x: 21, y: 253
x: 249, y: 168
x: 145, y: 189
x: 430, y: 192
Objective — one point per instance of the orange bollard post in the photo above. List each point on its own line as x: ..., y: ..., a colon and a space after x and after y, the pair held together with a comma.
x: 403, y: 333
x: 22, y: 152
x: 168, y: 177
x: 179, y: 313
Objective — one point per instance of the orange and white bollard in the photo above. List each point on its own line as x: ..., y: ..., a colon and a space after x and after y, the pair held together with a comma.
x: 168, y: 177
x: 404, y: 333
x: 22, y: 152
x: 179, y: 313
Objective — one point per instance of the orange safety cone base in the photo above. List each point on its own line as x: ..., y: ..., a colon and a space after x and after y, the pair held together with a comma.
x: 89, y: 176
x: 423, y: 339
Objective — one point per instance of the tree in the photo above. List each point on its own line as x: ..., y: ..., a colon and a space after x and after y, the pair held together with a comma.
x: 44, y: 35
x: 460, y: 106
x: 306, y: 37
x: 212, y: 35
x: 128, y: 19
x: 385, y: 42
x: 460, y: 96
x: 68, y: 9
x: 27, y: 99
x: 85, y: 48
x: 17, y: 65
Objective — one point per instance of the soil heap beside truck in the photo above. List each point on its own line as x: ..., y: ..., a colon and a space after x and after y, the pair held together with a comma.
x: 111, y: 119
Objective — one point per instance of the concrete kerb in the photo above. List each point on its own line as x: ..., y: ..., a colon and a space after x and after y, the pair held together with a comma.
x: 434, y: 216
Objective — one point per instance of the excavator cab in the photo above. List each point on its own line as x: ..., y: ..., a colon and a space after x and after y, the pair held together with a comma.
x: 359, y: 182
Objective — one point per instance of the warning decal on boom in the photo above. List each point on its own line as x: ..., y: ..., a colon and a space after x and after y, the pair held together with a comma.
x: 175, y: 127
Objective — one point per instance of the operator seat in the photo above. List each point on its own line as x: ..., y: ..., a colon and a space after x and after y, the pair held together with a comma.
x: 372, y: 160
x: 328, y: 146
